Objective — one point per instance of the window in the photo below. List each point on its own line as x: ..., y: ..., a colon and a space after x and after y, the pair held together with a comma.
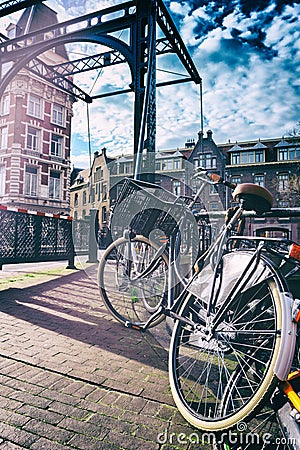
x: 5, y: 104
x: 34, y: 106
x: 3, y: 138
x: 177, y: 164
x: 33, y: 139
x: 283, y: 154
x: 283, y: 203
x: 247, y: 157
x: 92, y: 194
x: 168, y: 164
x: 283, y: 181
x: 76, y: 199
x: 31, y: 178
x: 126, y: 168
x: 176, y: 187
x: 235, y: 158
x: 213, y: 189
x: 236, y: 179
x: 54, y: 185
x: 98, y: 175
x: 84, y: 198
x: 58, y: 114
x: 104, y: 192
x: 56, y: 145
x: 104, y: 214
x: 207, y: 161
x: 259, y: 156
x: 259, y: 179
x: 289, y: 154
x: 2, y: 180
x: 119, y: 189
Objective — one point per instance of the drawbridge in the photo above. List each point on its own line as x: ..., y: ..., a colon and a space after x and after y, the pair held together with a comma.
x: 140, y: 19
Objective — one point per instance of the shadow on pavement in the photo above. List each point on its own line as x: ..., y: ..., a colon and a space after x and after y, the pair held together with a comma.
x: 71, y: 308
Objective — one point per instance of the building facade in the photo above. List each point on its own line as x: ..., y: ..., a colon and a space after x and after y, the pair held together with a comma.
x: 91, y: 188
x: 98, y: 187
x: 274, y: 164
x: 35, y: 130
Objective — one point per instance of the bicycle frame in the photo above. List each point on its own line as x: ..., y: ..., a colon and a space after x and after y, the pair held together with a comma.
x: 208, y: 324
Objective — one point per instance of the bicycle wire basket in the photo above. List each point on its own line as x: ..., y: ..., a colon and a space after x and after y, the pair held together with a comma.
x: 144, y: 207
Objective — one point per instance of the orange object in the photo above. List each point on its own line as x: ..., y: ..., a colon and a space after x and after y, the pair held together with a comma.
x: 293, y: 375
x: 295, y: 251
x: 291, y: 394
x: 215, y: 177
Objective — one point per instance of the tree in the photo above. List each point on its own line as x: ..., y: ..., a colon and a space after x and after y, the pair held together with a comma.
x: 289, y: 194
x: 295, y: 131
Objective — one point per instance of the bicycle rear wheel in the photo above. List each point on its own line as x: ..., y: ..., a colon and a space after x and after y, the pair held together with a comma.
x: 132, y: 293
x: 219, y: 381
x: 260, y: 433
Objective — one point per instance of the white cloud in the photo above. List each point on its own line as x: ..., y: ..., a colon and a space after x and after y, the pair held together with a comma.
x: 247, y: 93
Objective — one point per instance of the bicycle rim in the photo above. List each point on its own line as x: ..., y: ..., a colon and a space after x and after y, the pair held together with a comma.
x: 262, y: 432
x: 219, y: 382
x: 130, y: 298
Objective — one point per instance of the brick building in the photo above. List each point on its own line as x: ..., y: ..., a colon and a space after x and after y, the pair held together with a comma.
x: 90, y: 188
x: 35, y: 129
x: 275, y: 164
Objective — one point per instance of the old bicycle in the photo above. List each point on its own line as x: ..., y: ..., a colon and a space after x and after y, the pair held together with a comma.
x: 235, y: 320
x: 159, y: 242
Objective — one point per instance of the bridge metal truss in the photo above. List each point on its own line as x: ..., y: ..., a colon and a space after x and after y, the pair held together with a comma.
x: 11, y: 6
x: 140, y: 18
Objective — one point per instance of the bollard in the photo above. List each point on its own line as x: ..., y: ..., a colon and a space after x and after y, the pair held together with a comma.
x: 93, y: 233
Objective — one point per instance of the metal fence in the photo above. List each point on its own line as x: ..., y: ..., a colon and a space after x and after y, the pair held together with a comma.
x: 81, y: 236
x: 26, y: 237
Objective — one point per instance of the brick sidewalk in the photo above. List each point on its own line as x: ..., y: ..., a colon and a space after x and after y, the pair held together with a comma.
x: 73, y: 378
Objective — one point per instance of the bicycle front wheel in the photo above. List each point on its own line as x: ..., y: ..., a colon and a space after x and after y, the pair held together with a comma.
x: 132, y: 278
x: 222, y: 379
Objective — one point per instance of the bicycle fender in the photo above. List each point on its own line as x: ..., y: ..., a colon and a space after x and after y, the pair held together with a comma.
x: 288, y: 338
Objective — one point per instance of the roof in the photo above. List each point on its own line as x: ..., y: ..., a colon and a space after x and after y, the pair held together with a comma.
x: 284, y: 143
x: 238, y: 148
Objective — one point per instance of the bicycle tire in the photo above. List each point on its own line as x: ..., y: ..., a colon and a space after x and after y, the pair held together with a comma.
x: 262, y: 432
x: 247, y: 341
x: 130, y: 299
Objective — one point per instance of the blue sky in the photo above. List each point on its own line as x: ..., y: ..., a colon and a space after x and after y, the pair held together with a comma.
x: 247, y: 54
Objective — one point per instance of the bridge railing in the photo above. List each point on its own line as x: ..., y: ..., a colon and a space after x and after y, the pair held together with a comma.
x: 34, y: 237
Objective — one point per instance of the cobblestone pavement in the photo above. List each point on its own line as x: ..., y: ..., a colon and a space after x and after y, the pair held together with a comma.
x: 73, y: 378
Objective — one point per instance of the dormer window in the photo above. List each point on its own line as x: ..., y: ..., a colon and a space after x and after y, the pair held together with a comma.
x: 247, y: 157
x: 289, y: 154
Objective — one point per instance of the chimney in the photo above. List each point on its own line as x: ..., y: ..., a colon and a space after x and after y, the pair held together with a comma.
x: 209, y: 135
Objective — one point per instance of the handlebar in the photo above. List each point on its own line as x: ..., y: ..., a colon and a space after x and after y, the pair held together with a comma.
x: 218, y: 179
x: 214, y: 178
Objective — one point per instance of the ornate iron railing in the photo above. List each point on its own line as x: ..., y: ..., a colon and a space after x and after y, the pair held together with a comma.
x: 33, y: 237
x: 81, y: 236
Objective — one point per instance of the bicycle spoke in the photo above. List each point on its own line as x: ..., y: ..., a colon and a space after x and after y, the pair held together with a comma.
x: 215, y: 375
x: 131, y: 297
